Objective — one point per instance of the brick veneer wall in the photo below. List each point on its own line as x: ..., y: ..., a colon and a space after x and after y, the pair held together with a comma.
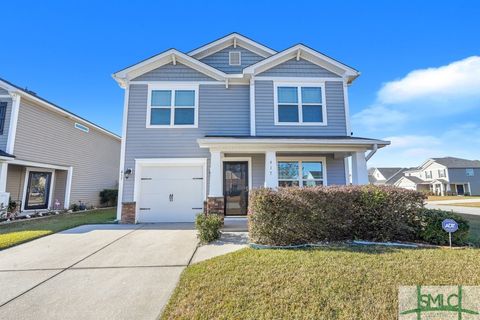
x: 128, y: 212
x: 216, y: 205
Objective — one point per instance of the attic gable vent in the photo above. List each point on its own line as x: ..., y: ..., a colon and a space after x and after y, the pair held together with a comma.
x: 235, y: 58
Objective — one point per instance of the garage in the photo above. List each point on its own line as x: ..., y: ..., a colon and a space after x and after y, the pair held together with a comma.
x: 170, y: 192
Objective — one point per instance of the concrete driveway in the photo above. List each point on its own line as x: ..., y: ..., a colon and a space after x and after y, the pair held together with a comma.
x: 95, y: 272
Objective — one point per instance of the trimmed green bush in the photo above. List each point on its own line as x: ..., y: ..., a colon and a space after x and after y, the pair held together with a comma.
x: 208, y: 227
x: 108, y: 197
x: 290, y: 216
x: 431, y: 227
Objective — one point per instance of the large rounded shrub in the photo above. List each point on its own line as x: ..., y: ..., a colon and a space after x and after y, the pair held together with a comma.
x: 430, y: 227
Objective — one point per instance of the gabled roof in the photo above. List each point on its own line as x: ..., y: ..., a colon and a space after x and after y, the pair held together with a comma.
x: 413, y: 179
x: 388, y: 172
x: 301, y: 51
x: 397, y: 176
x: 32, y: 96
x: 451, y: 162
x: 229, y: 40
x: 170, y: 55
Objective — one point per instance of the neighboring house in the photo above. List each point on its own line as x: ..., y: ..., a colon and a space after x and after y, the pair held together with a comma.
x: 51, y: 158
x: 210, y: 124
x: 381, y: 176
x: 444, y: 176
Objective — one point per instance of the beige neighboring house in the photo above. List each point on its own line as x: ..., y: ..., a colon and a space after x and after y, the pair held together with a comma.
x: 382, y: 176
x: 444, y: 176
x: 51, y: 158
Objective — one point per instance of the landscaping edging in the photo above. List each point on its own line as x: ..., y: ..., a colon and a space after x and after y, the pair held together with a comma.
x: 48, y: 215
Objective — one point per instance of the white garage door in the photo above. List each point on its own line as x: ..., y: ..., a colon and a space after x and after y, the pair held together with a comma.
x: 170, y: 193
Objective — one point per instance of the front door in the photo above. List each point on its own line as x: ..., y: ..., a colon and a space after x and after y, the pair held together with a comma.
x: 235, y: 186
x: 38, y: 190
x: 460, y: 190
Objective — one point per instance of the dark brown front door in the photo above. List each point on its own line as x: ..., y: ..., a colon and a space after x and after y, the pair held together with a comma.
x: 235, y: 186
x: 38, y: 190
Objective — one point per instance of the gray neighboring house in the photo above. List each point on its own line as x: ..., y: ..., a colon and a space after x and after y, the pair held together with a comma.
x: 204, y: 127
x: 51, y: 158
x: 444, y: 176
x: 382, y: 176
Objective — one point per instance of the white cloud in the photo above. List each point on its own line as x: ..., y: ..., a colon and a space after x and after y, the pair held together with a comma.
x: 423, y: 94
x: 411, y: 150
x: 459, y: 79
x: 378, y: 117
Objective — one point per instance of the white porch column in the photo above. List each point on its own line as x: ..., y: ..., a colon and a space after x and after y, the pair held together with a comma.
x: 3, y: 176
x: 442, y: 190
x: 359, y: 168
x: 216, y: 184
x: 271, y: 169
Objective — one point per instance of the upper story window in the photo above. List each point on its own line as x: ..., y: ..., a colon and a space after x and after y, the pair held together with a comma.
x: 235, y: 58
x: 170, y: 107
x: 428, y: 174
x: 3, y: 114
x: 442, y: 173
x: 300, y: 104
x: 470, y: 172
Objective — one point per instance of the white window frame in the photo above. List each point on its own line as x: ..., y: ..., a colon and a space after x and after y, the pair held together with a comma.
x: 230, y: 58
x: 300, y: 179
x: 299, y: 86
x: 470, y: 172
x: 172, y: 88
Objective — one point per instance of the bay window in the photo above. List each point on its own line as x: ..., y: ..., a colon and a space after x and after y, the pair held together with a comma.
x: 305, y: 173
x: 172, y: 107
x: 300, y: 104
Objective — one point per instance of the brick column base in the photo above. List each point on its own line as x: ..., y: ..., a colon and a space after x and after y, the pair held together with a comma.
x: 216, y: 205
x: 128, y: 212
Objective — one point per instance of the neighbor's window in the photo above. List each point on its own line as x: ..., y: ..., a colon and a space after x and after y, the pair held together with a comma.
x: 304, y: 173
x: 470, y: 172
x: 300, y: 105
x: 441, y: 173
x: 3, y: 113
x: 171, y: 108
x: 428, y: 174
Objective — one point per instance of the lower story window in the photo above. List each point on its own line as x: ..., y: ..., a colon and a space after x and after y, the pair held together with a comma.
x: 305, y: 173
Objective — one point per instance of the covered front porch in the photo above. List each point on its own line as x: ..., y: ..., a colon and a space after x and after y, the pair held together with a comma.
x: 442, y: 187
x: 238, y: 164
x: 28, y: 186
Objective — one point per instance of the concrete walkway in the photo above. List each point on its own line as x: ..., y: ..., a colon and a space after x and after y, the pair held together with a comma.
x: 462, y: 200
x: 464, y: 210
x: 95, y: 272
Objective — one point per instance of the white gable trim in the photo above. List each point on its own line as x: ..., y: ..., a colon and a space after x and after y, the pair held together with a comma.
x: 162, y: 59
x: 302, y: 52
x: 234, y: 39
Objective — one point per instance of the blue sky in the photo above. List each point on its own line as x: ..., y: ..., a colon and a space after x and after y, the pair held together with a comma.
x: 420, y: 64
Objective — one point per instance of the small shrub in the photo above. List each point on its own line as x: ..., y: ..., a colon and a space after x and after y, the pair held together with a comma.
x: 208, y: 227
x: 108, y: 197
x: 290, y: 216
x: 430, y: 228
x: 74, y: 207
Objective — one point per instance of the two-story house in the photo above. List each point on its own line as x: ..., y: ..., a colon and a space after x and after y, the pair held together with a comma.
x: 51, y: 158
x: 211, y: 124
x: 385, y: 176
x: 443, y: 176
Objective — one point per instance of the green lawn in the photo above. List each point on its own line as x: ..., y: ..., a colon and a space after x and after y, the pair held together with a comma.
x: 18, y: 232
x: 474, y: 232
x: 334, y: 283
x: 439, y: 198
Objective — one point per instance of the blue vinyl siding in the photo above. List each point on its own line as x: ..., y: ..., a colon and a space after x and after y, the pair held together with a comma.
x: 221, y: 111
x: 301, y: 68
x: 170, y: 72
x: 335, y: 171
x: 265, y: 125
x: 220, y: 59
x: 459, y: 176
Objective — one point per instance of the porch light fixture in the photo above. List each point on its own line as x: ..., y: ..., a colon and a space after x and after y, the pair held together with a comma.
x: 127, y: 173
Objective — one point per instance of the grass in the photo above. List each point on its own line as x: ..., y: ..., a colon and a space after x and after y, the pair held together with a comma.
x: 330, y: 283
x: 474, y: 232
x: 439, y: 198
x: 18, y: 232
x: 466, y: 204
